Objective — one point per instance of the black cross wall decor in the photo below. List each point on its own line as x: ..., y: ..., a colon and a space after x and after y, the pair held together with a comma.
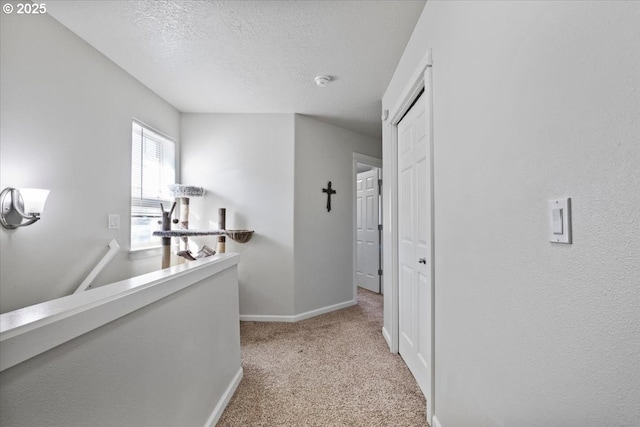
x: 329, y: 192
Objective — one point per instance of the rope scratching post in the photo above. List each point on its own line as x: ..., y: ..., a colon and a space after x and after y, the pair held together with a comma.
x: 166, y: 241
x: 222, y: 224
x: 184, y: 193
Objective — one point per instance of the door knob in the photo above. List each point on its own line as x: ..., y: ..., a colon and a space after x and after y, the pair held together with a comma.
x: 423, y: 261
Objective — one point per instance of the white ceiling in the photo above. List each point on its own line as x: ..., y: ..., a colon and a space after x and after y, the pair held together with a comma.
x: 254, y: 56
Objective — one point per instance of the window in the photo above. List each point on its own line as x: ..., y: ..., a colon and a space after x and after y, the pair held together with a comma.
x: 153, y: 168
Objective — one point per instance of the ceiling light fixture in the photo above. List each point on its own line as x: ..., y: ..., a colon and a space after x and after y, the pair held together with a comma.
x: 322, y: 81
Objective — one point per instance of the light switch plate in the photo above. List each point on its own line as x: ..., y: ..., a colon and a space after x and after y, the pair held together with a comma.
x: 560, y: 220
x: 114, y: 221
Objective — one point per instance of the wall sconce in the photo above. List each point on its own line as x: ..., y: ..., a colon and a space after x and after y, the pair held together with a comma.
x: 19, y: 204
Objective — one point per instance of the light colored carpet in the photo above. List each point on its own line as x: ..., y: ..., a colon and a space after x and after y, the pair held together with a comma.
x: 332, y: 370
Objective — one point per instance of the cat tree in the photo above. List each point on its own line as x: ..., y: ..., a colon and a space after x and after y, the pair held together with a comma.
x: 184, y: 193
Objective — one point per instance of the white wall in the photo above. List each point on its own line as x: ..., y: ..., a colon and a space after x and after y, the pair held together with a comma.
x: 151, y: 367
x: 64, y: 104
x: 324, y: 240
x: 533, y: 101
x: 300, y: 257
x: 245, y: 163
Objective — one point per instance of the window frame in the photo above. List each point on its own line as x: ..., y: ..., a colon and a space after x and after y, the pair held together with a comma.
x: 145, y: 209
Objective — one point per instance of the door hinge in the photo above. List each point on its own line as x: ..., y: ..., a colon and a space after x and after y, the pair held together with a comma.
x: 379, y: 227
x: 379, y: 272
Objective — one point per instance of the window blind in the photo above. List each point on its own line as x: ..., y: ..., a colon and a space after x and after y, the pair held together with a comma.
x: 152, y: 170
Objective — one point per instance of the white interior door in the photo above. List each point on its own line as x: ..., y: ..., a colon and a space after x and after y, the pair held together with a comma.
x: 414, y: 243
x: 367, y: 232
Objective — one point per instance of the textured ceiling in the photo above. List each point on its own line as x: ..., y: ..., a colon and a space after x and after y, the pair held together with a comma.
x: 254, y: 56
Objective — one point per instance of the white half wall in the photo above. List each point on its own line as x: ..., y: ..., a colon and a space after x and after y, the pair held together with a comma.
x: 66, y: 113
x: 533, y: 101
x: 158, y: 350
x: 245, y: 164
x: 324, y: 240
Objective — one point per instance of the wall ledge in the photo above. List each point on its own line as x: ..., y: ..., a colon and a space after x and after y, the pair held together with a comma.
x: 32, y: 330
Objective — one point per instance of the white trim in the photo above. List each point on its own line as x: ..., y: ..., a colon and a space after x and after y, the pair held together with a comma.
x: 266, y: 318
x: 366, y: 159
x: 428, y: 81
x: 30, y: 331
x: 296, y: 317
x: 371, y: 161
x: 391, y: 187
x: 422, y: 77
x: 151, y: 128
x: 409, y: 93
x: 435, y: 422
x: 324, y: 310
x: 403, y: 106
x: 224, y: 400
x: 390, y: 235
x: 386, y: 336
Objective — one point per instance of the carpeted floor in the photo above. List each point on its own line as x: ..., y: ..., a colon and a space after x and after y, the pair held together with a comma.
x: 332, y: 370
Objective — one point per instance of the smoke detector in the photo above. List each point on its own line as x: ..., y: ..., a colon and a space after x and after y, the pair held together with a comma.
x: 322, y: 81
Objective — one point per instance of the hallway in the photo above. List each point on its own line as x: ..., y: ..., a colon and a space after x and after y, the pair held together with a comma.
x: 332, y: 370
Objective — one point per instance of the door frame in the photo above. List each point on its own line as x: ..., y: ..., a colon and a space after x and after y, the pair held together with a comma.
x: 421, y: 79
x: 377, y: 163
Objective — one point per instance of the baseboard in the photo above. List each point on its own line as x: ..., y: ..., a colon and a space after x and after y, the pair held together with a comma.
x: 296, y: 317
x: 386, y: 336
x: 435, y: 422
x: 265, y: 318
x: 324, y: 310
x: 224, y: 400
